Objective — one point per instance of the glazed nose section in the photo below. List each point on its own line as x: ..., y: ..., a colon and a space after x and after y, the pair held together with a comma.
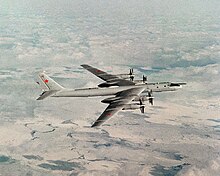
x: 174, y: 85
x: 177, y: 85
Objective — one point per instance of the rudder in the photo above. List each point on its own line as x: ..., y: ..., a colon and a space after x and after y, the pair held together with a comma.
x: 49, y: 82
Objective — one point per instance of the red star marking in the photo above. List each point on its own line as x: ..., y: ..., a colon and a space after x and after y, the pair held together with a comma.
x: 98, y: 71
x: 46, y: 81
x: 109, y: 114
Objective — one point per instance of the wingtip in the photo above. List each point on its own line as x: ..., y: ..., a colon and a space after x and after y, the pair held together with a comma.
x: 39, y: 98
x: 84, y: 65
x: 93, y: 125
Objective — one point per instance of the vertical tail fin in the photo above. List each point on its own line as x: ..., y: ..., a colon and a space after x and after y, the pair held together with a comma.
x: 49, y: 82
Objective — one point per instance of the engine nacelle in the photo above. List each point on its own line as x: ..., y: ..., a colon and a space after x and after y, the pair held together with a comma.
x: 142, y: 98
x: 138, y: 81
x: 132, y: 106
x: 129, y: 75
x: 125, y: 76
x: 106, y: 84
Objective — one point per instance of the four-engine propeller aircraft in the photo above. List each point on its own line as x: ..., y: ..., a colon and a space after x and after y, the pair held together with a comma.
x: 125, y: 93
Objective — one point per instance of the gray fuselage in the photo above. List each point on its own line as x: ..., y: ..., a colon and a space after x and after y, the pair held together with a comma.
x: 91, y: 92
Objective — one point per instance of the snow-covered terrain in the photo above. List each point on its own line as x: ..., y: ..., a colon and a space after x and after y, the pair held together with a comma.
x: 167, y: 40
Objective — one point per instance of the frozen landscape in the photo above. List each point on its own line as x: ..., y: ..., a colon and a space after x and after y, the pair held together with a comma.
x: 167, y: 40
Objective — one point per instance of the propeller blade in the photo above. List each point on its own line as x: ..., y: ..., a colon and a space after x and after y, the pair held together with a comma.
x: 130, y: 73
x: 151, y: 101
x: 141, y: 102
x: 142, y: 106
x: 142, y: 109
x: 150, y: 93
x: 132, y: 78
x: 144, y: 78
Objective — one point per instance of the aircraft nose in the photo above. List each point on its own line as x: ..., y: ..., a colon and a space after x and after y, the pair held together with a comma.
x: 175, y: 86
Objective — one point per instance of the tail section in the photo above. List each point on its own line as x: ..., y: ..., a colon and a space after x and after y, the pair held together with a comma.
x: 50, y: 84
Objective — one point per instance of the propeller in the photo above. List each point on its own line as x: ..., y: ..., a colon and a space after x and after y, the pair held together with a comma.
x: 131, y: 74
x: 144, y: 79
x: 131, y: 71
x: 142, y: 107
x: 150, y: 97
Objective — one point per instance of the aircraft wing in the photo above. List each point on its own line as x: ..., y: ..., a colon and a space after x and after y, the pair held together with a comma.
x: 124, y: 97
x: 46, y: 94
x: 108, y: 77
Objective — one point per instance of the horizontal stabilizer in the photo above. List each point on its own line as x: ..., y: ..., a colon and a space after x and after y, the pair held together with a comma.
x: 46, y: 94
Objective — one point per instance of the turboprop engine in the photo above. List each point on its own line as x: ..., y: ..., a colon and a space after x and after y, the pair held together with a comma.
x: 145, y: 98
x: 131, y: 107
x: 140, y: 106
x: 107, y: 84
x: 141, y: 81
x: 129, y: 75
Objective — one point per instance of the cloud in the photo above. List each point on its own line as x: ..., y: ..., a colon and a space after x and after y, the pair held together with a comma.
x: 213, y: 168
x: 168, y: 43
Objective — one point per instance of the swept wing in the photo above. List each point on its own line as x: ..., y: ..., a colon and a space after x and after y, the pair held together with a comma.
x: 109, y: 78
x: 122, y: 98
